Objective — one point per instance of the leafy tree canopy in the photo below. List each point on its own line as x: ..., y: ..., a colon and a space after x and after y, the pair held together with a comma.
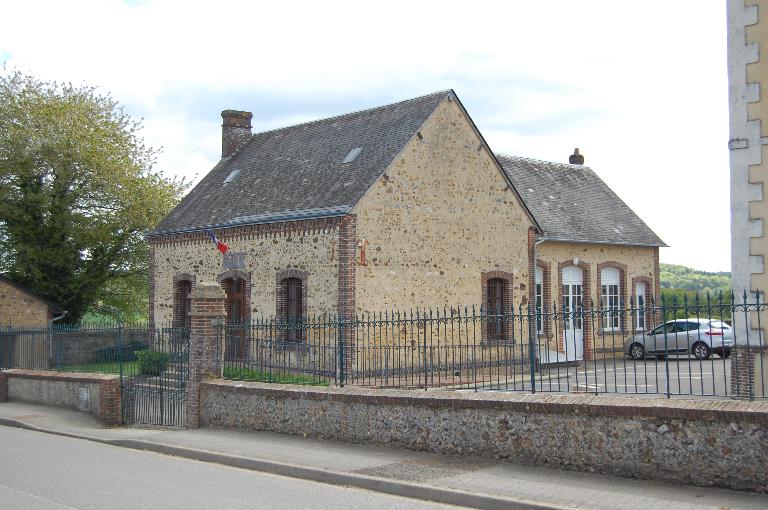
x: 77, y: 194
x: 681, y: 277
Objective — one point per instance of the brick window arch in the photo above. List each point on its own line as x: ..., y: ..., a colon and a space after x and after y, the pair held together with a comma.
x: 182, y: 289
x: 292, y: 297
x: 497, y: 302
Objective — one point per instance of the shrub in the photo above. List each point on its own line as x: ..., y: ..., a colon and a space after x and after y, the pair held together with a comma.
x: 152, y: 362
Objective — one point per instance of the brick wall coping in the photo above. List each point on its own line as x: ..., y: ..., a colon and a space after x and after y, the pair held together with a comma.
x: 705, y: 410
x: 53, y: 375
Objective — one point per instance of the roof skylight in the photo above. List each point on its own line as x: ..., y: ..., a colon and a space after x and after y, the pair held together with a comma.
x: 353, y: 154
x: 231, y: 176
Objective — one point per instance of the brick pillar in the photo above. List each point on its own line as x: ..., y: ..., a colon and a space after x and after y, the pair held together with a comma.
x: 742, y: 369
x: 346, y: 297
x: 205, y: 351
x: 749, y: 378
x: 110, y: 410
x: 3, y: 387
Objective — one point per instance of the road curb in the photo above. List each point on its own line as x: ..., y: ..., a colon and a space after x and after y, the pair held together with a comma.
x: 383, y: 485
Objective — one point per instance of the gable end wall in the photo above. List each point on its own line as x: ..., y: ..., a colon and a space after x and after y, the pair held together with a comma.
x: 21, y: 308
x: 440, y: 216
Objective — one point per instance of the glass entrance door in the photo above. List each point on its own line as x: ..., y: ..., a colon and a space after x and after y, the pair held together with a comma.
x: 573, y: 320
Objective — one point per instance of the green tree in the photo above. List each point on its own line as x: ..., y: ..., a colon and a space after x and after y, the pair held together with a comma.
x: 77, y: 194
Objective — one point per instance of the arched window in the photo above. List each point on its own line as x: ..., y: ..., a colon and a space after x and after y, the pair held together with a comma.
x: 182, y: 303
x: 293, y: 311
x: 185, y: 303
x: 235, y: 291
x: 497, y: 306
x: 641, y: 305
x: 610, y: 292
x: 237, y: 314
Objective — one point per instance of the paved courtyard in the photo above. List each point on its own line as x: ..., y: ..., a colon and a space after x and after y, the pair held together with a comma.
x: 679, y: 376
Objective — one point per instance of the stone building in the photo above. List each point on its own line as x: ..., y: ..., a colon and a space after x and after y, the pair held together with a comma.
x: 748, y: 144
x: 593, y: 248
x: 20, y: 306
x: 748, y: 148
x: 393, y: 208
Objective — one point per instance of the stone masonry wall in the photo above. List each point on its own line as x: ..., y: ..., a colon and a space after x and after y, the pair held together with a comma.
x: 19, y: 308
x: 64, y: 389
x: 440, y: 216
x: 671, y: 440
x: 310, y: 247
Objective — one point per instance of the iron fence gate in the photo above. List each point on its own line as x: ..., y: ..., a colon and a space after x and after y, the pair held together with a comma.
x: 154, y: 390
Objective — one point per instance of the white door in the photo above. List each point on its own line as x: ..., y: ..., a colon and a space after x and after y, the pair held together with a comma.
x: 573, y: 327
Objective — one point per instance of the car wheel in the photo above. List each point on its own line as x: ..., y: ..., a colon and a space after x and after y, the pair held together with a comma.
x: 725, y: 355
x: 637, y: 351
x: 701, y: 350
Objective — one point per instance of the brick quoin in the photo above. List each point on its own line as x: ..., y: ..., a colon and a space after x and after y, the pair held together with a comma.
x: 346, y: 283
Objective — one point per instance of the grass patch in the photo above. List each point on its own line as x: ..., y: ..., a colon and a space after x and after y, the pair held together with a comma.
x: 129, y: 367
x: 248, y: 374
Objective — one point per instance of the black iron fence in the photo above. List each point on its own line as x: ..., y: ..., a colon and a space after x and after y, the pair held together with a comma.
x: 709, y: 347
x: 88, y: 348
x: 153, y: 363
x: 672, y: 349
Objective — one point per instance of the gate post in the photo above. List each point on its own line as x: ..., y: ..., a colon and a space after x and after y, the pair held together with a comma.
x: 204, y: 351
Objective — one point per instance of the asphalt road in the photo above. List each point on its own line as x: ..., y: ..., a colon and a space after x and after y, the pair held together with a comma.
x: 43, y: 471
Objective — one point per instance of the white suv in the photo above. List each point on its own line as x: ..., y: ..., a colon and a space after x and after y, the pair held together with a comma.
x: 700, y: 337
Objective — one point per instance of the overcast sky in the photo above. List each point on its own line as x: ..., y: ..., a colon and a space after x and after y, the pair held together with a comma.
x: 641, y: 87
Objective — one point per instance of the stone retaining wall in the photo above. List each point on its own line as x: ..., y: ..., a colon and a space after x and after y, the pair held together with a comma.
x: 98, y: 394
x: 718, y: 443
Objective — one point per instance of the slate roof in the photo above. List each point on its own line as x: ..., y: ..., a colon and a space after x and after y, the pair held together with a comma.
x: 571, y: 203
x: 297, y: 173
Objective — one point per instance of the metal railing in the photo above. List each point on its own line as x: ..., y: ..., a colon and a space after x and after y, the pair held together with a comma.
x: 624, y: 350
x: 551, y: 349
x: 107, y: 349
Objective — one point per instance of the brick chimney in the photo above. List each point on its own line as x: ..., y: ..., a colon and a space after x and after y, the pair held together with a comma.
x: 235, y: 130
x: 576, y: 158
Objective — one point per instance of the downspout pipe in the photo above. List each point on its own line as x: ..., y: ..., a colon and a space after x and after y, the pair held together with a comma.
x: 50, y: 335
x: 532, y: 332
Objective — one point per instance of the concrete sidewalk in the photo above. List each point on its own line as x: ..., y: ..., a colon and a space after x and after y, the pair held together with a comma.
x: 464, y: 481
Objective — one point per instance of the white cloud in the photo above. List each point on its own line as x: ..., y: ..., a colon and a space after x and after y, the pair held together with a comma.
x: 640, y: 88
